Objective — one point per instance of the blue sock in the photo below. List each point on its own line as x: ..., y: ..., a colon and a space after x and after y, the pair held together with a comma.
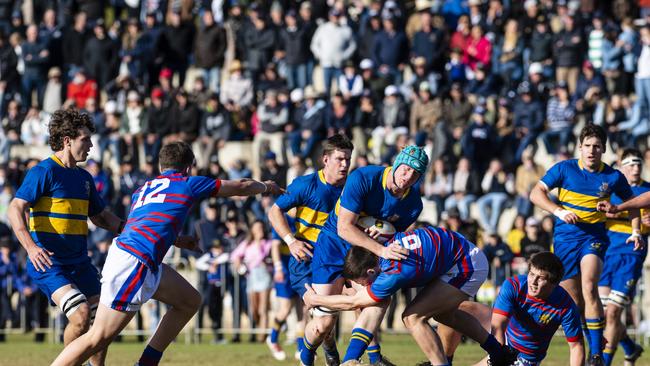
x: 150, y: 357
x: 358, y: 344
x: 450, y: 360
x: 374, y: 353
x: 275, y: 331
x: 307, y: 353
x: 300, y: 343
x: 608, y: 356
x: 493, y: 347
x: 585, y: 332
x: 628, y: 345
x: 595, y: 328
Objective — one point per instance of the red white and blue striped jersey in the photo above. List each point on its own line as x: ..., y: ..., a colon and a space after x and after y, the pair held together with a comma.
x: 533, y: 321
x: 158, y: 211
x: 433, y: 251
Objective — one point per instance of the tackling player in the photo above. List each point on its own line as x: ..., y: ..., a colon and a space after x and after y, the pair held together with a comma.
x: 530, y: 308
x: 448, y: 267
x: 313, y: 197
x: 580, y: 235
x: 49, y: 217
x: 134, y: 271
x: 623, y: 265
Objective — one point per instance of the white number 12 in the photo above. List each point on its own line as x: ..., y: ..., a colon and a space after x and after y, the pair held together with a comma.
x: 154, y: 196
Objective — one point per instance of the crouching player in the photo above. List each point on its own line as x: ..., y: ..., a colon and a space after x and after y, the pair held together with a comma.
x: 449, y: 267
x: 530, y: 308
x: 134, y: 272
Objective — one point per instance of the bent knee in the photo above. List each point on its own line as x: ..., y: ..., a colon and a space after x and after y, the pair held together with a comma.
x: 410, y: 319
x: 193, y: 302
x: 80, y: 319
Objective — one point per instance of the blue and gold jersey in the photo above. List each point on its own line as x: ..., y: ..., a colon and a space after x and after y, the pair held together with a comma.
x: 620, y: 228
x: 365, y: 194
x: 61, y: 200
x: 533, y: 321
x: 313, y: 199
x: 579, y: 191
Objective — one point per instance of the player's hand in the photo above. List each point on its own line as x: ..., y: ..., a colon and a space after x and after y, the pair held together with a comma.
x: 608, y: 207
x: 394, y: 252
x: 40, y: 258
x: 637, y: 239
x: 645, y: 218
x: 308, y: 297
x: 278, y: 276
x: 566, y: 216
x: 301, y: 251
x: 372, y: 233
x: 273, y: 188
x: 190, y: 242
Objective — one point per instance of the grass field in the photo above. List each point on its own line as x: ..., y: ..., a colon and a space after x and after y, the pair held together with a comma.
x: 20, y: 351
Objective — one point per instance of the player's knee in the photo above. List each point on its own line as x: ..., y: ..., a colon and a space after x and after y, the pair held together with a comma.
x: 410, y: 319
x: 193, y: 302
x: 324, y: 325
x: 590, y: 293
x: 613, y: 314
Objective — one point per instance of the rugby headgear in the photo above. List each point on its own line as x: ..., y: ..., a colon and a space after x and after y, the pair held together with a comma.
x: 414, y: 157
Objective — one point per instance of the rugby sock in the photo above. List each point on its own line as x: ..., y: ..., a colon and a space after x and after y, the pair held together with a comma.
x: 150, y: 357
x: 275, y: 331
x: 608, y: 356
x: 300, y: 342
x: 307, y: 353
x: 585, y: 332
x: 493, y: 347
x: 374, y: 353
x: 358, y: 344
x: 595, y: 328
x: 450, y: 360
x: 628, y: 345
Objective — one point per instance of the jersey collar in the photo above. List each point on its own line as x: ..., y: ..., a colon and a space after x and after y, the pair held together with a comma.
x: 384, y: 182
x: 321, y: 176
x: 600, y: 169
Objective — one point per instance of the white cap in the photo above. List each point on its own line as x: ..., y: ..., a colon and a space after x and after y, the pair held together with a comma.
x: 366, y: 63
x: 535, y: 68
x: 529, y: 3
x: 296, y: 95
x: 110, y: 107
x: 391, y: 90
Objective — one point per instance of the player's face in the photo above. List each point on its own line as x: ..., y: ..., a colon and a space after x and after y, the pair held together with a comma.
x: 80, y: 146
x: 632, y: 172
x: 539, y: 285
x: 405, y: 176
x: 591, y: 151
x: 337, y: 164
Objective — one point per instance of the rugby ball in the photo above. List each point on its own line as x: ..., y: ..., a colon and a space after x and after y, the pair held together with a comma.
x: 386, y: 229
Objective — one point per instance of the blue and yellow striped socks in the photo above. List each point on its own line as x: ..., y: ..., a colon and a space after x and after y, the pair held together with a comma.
x: 307, y: 353
x: 300, y: 341
x: 358, y: 344
x: 628, y: 345
x: 374, y: 353
x: 275, y: 331
x: 608, y: 356
x: 595, y: 328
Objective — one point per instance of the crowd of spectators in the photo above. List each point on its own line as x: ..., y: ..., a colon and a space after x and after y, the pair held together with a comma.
x: 494, y: 89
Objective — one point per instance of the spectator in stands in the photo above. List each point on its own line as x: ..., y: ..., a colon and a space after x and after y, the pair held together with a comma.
x: 528, y: 118
x: 249, y: 258
x: 9, y: 77
x: 294, y: 39
x: 541, y: 47
x: 465, y: 189
x: 350, y: 84
x: 595, y: 41
x: 617, y: 112
x: 210, y: 50
x: 478, y: 49
x: 497, y: 187
x: 11, y: 127
x: 438, y: 184
x: 338, y: 116
x: 237, y: 92
x: 641, y: 109
x: 215, y: 127
x: 526, y: 177
x: 36, y: 58
x: 540, y: 86
x: 33, y: 130
x: 273, y: 118
x: 513, y: 239
x: 332, y: 44
x: 428, y: 42
x: 80, y: 88
x: 130, y: 180
x: 74, y: 41
x: 499, y: 256
x: 371, y: 81
x: 393, y: 122
x: 560, y: 115
x: 483, y: 86
x: 259, y: 41
x: 158, y: 124
x: 478, y: 141
x: 425, y: 119
x: 629, y: 42
x: 53, y: 95
x: 568, y: 49
x: 536, y: 240
x: 366, y: 118
x: 367, y: 33
x: 509, y: 53
x: 421, y: 74
x: 310, y: 124
x: 390, y: 50
x: 8, y: 274
x: 272, y: 170
x: 456, y: 111
x: 133, y: 123
x: 184, y: 116
x: 101, y: 56
x: 176, y: 44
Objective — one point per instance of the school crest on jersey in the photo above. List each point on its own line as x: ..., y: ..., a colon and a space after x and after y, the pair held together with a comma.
x: 630, y: 284
x: 545, y: 318
x: 603, y: 190
x: 596, y: 246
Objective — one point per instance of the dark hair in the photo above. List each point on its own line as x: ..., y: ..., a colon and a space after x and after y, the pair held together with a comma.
x: 592, y: 130
x: 548, y: 262
x: 67, y: 122
x: 631, y: 152
x: 337, y: 142
x: 357, y: 262
x: 176, y: 155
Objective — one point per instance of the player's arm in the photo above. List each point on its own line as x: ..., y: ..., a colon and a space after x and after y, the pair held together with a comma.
x: 539, y: 197
x: 247, y: 187
x: 499, y: 326
x: 108, y: 221
x: 18, y: 215
x: 300, y: 250
x: 348, y: 230
x: 278, y: 270
x: 338, y: 302
x: 577, y: 353
x: 638, y: 202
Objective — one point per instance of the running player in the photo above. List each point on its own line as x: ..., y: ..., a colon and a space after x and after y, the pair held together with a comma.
x: 530, y: 308
x: 623, y: 265
x: 580, y: 235
x: 313, y: 197
x: 134, y: 271
x: 449, y: 267
x: 49, y: 217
